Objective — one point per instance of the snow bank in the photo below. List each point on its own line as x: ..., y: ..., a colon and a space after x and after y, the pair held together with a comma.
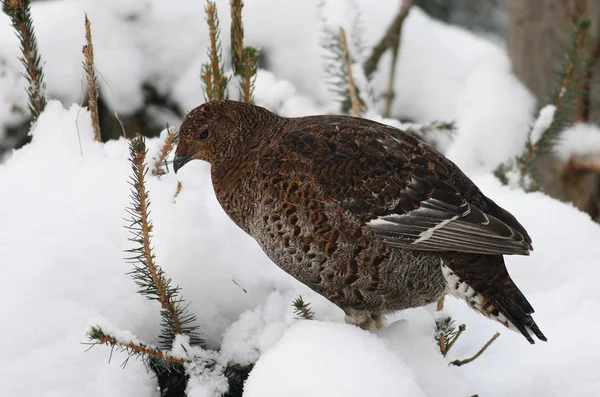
x: 63, y: 241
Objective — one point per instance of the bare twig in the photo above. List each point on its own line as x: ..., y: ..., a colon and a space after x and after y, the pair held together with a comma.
x: 390, y: 38
x: 352, y: 87
x: 88, y: 53
x: 458, y: 363
x: 461, y: 329
x: 443, y: 344
x: 395, y: 43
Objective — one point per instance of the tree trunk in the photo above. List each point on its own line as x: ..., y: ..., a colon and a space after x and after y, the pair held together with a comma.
x: 537, y: 38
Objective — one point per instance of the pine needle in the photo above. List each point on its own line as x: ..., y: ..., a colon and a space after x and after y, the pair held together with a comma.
x: 19, y: 12
x: 88, y: 53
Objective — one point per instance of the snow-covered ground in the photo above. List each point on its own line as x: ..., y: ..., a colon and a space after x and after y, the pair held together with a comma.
x: 64, y: 196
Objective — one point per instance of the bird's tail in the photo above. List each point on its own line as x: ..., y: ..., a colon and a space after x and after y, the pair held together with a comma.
x: 484, y: 283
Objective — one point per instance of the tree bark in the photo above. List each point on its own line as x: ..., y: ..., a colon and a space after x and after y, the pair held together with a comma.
x: 537, y: 38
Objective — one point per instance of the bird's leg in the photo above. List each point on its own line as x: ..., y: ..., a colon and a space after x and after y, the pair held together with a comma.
x: 365, y: 320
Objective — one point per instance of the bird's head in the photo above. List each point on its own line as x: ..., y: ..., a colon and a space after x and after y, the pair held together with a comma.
x: 219, y: 131
x: 206, y: 133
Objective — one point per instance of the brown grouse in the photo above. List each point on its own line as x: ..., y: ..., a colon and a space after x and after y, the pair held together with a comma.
x: 368, y: 216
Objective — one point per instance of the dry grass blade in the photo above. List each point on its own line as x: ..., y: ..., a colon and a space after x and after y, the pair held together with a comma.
x: 88, y: 53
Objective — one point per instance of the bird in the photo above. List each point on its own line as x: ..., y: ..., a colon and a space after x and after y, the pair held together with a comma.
x: 365, y: 214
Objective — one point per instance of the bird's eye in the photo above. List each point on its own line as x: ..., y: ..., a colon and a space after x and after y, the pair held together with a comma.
x: 203, y: 134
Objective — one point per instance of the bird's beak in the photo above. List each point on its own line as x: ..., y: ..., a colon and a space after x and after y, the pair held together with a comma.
x: 180, y: 161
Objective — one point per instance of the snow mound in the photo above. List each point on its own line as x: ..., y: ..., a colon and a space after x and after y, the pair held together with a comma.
x: 315, y: 358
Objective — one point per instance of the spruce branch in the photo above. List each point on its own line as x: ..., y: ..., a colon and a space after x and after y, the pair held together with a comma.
x: 557, y: 115
x: 237, y: 37
x: 458, y: 363
x: 88, y: 54
x: 249, y: 70
x: 137, y: 349
x: 302, y: 309
x: 212, y: 74
x: 160, y: 164
x: 19, y: 12
x: 351, y: 87
x: 150, y: 277
x: 446, y: 333
x: 390, y: 39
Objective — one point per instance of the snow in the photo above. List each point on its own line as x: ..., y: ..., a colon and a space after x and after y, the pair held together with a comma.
x: 64, y: 196
x: 542, y: 123
x: 579, y: 140
x: 329, y: 359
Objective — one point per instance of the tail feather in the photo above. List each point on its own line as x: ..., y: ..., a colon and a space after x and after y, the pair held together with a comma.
x: 483, y: 282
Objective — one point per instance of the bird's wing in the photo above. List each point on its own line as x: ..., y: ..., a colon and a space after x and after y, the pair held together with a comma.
x: 405, y: 191
x: 443, y: 220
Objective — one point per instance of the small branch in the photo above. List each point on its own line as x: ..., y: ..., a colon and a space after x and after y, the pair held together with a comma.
x: 390, y: 39
x: 131, y: 348
x: 352, y: 87
x: 443, y: 344
x: 164, y: 152
x: 461, y: 329
x: 88, y: 53
x: 237, y: 37
x: 458, y: 363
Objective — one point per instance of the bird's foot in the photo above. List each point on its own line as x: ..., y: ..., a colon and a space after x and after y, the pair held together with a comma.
x: 365, y: 320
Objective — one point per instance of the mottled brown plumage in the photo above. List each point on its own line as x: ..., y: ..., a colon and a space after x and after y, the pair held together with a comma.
x: 365, y: 214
